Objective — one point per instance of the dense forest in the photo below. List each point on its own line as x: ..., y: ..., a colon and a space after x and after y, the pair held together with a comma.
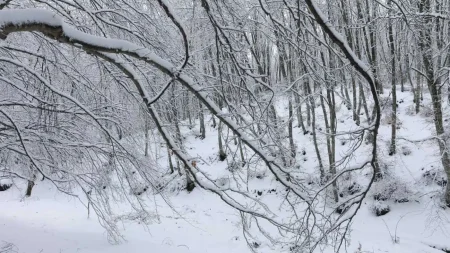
x: 100, y: 99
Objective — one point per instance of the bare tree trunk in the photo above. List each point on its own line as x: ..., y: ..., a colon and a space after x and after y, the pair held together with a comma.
x: 188, y: 109
x: 241, y: 151
x: 417, y: 96
x: 308, y: 107
x: 425, y: 44
x: 332, y: 142
x: 169, y: 156
x: 190, y: 185
x: 214, y: 124
x: 30, y: 185
x: 347, y: 96
x: 355, y: 107
x: 202, y: 122
x: 146, y: 130
x: 291, y: 137
x: 222, y: 154
x: 402, y: 76
x: 316, y: 145
x: 364, y: 102
x: 299, y: 113
x: 392, y: 147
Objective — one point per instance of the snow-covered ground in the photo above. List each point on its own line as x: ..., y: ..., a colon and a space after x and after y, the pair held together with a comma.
x: 200, y: 222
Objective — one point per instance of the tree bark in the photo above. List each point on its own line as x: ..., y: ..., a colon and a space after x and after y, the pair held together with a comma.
x: 392, y: 147
x: 425, y: 44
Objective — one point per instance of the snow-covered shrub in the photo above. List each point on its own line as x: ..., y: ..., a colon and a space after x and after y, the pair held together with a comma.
x: 426, y: 111
x: 349, y: 188
x: 139, y: 189
x: 385, y: 103
x: 223, y: 182
x: 411, y: 110
x: 312, y: 179
x: 5, y: 184
x: 406, y: 150
x: 177, y: 185
x: 258, y: 174
x: 387, y: 120
x: 141, y: 217
x: 380, y: 208
x: 172, y: 184
x: 435, y: 175
x: 342, y: 209
x: 234, y: 166
x: 391, y: 188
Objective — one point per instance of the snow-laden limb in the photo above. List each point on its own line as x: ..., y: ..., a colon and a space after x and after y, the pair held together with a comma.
x: 429, y: 138
x: 54, y: 27
x: 28, y: 16
x: 432, y: 15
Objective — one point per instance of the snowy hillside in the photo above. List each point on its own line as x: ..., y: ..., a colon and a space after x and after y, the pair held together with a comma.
x: 175, y: 126
x: 199, y: 221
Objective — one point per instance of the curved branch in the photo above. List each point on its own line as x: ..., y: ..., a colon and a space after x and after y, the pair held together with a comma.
x: 364, y: 70
x: 170, y: 13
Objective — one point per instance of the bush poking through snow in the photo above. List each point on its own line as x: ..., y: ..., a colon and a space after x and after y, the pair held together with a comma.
x: 342, y: 209
x: 5, y: 185
x: 426, y: 111
x: 190, y: 186
x: 256, y: 174
x: 380, y: 208
x: 139, y: 190
x: 385, y: 103
x: 223, y: 182
x: 392, y: 189
x: 234, y: 166
x: 294, y: 248
x: 141, y: 217
x: 435, y: 176
x: 411, y: 110
x: 406, y: 150
x: 387, y: 120
x: 222, y: 156
x: 350, y: 189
